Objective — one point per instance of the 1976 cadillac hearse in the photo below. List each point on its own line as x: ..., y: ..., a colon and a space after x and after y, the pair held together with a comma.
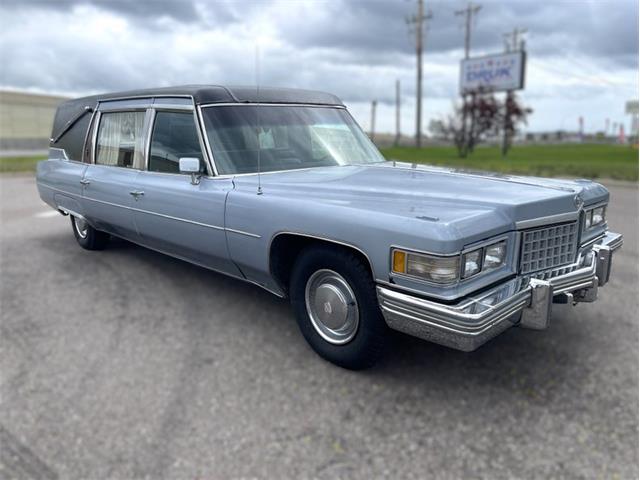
x: 281, y: 188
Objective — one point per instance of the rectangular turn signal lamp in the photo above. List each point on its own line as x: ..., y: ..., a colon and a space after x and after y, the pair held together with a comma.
x: 399, y: 261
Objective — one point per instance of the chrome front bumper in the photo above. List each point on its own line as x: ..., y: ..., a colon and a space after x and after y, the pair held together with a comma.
x: 525, y: 302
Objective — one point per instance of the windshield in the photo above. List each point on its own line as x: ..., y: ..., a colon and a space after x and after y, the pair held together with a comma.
x: 288, y: 137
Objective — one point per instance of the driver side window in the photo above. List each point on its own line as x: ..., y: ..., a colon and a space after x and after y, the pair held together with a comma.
x: 174, y: 136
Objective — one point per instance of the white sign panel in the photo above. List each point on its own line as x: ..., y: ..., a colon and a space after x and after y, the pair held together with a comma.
x: 493, y: 73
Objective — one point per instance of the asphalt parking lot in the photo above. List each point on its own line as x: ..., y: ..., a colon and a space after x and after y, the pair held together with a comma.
x: 129, y: 364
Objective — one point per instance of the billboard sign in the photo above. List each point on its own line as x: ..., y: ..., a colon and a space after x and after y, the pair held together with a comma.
x: 493, y: 73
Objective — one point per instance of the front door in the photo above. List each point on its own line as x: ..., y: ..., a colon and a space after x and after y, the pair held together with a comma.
x: 173, y: 215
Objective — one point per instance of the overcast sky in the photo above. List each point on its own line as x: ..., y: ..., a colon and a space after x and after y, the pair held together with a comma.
x: 583, y: 56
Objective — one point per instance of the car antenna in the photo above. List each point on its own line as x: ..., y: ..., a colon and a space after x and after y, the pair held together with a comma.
x: 258, y: 112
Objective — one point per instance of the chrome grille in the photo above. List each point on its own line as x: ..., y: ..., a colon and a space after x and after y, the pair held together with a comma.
x: 548, y: 247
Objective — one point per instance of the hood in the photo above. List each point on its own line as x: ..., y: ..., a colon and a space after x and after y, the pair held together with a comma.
x: 466, y: 204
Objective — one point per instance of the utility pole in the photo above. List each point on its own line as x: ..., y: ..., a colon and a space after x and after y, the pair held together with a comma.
x: 512, y: 40
x: 419, y: 20
x: 512, y: 43
x: 468, y: 13
x: 396, y: 141
x: 374, y: 103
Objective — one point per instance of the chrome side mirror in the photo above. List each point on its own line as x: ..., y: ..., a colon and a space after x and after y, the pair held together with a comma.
x: 191, y: 165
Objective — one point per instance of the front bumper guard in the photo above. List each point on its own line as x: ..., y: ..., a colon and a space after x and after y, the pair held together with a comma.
x: 524, y: 302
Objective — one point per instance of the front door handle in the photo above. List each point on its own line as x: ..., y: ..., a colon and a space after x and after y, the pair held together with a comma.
x: 85, y: 181
x: 136, y: 193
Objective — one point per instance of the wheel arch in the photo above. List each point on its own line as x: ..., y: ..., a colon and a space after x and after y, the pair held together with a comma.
x: 285, y: 247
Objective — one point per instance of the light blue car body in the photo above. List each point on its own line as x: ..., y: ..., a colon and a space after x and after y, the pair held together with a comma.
x: 232, y: 223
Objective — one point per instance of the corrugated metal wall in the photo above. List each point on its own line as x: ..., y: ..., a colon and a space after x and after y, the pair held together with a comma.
x: 26, y: 119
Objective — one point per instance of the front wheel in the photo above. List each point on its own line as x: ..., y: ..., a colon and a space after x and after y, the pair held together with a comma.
x: 87, y: 236
x: 334, y: 299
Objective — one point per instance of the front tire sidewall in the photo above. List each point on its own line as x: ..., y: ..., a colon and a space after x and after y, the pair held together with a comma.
x: 366, y: 347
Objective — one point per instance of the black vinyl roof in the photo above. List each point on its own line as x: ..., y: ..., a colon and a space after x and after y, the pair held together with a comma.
x: 203, y: 94
x: 71, y: 118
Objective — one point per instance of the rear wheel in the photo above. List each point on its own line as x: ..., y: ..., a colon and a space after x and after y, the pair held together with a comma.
x: 334, y: 299
x: 87, y: 236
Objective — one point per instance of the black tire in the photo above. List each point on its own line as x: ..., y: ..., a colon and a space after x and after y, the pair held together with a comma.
x: 88, y: 238
x: 367, y: 346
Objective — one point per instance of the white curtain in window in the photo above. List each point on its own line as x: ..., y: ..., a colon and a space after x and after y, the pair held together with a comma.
x: 120, y: 133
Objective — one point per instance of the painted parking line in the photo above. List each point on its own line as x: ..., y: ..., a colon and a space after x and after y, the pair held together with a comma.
x: 47, y: 214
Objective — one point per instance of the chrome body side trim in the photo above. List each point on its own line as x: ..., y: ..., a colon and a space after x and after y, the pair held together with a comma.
x: 241, y: 232
x: 170, y: 217
x: 471, y: 322
x: 67, y: 212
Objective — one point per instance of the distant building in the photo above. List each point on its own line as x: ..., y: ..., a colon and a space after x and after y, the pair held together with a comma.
x: 26, y: 119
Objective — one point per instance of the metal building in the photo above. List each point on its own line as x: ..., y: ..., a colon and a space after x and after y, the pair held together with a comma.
x: 25, y: 120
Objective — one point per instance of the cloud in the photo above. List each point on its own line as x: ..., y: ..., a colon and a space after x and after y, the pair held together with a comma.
x: 581, y: 53
x: 183, y: 11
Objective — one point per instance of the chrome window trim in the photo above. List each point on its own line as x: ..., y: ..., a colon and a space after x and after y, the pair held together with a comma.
x: 207, y: 144
x: 267, y: 104
x: 153, y: 111
x: 97, y: 129
x: 150, y: 96
x: 203, y: 146
x: 86, y: 137
x: 150, y: 121
x: 94, y: 138
x: 216, y: 172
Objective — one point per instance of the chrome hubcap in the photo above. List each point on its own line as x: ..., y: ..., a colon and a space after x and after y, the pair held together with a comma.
x: 81, y: 226
x: 332, y: 306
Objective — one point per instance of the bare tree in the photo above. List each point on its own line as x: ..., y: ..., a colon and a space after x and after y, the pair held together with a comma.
x: 513, y: 114
x: 485, y: 116
x: 472, y: 121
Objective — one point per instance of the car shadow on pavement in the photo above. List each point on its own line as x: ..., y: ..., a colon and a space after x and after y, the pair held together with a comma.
x: 523, y: 362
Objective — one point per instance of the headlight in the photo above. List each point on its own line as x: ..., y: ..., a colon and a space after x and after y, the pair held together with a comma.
x: 484, y: 259
x: 472, y: 262
x: 495, y: 255
x: 598, y: 216
x: 587, y: 219
x: 428, y: 267
x: 594, y: 217
x: 446, y: 270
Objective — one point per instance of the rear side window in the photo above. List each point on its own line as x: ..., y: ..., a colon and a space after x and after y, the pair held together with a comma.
x: 174, y: 137
x: 119, y: 142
